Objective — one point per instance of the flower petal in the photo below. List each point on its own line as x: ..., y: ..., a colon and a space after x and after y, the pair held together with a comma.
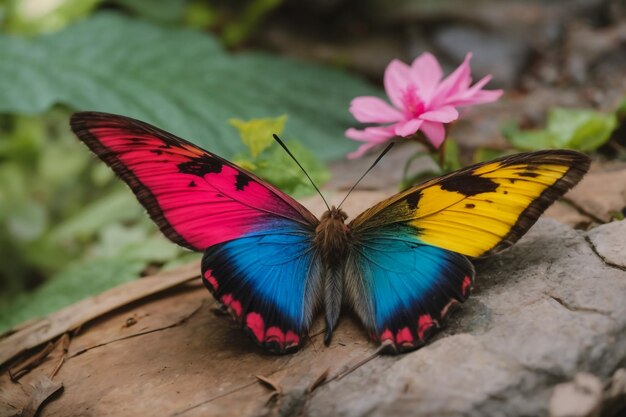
x: 397, y: 77
x: 408, y: 128
x: 426, y: 73
x: 480, y: 97
x: 455, y: 83
x: 435, y: 132
x: 371, y: 134
x: 475, y: 95
x: 373, y: 110
x: 445, y: 114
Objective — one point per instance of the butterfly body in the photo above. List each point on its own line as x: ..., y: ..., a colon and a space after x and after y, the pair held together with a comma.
x: 332, y: 242
x: 402, y: 266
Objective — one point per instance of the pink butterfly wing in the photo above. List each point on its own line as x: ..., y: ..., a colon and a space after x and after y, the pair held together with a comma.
x: 196, y: 198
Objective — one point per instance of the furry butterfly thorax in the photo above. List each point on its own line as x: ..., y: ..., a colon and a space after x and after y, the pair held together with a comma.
x: 401, y: 266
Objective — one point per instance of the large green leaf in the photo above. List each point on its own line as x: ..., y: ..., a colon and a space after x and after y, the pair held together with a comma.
x: 178, y: 79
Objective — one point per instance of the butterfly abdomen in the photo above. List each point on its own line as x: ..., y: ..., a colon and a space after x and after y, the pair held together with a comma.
x: 332, y: 239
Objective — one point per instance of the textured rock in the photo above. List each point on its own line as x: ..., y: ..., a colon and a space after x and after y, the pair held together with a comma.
x: 609, y: 241
x: 579, y: 398
x: 588, y: 396
x: 602, y: 192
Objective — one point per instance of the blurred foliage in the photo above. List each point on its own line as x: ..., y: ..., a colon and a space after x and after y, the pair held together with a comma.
x: 487, y: 154
x: 64, y: 216
x: 178, y: 79
x: 578, y: 129
x: 30, y: 17
x: 238, y: 30
x: 159, y: 11
x: 451, y: 156
x: 235, y: 22
x: 268, y: 159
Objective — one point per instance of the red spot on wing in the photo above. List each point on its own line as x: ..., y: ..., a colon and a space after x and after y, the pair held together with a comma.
x: 424, y: 322
x: 386, y: 335
x: 274, y: 334
x: 208, y: 276
x: 467, y: 282
x: 236, y: 307
x: 254, y: 321
x: 291, y: 339
x: 404, y: 336
x: 233, y: 305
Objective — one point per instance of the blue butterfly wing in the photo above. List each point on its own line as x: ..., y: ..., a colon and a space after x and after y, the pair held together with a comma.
x: 402, y: 289
x: 270, y: 282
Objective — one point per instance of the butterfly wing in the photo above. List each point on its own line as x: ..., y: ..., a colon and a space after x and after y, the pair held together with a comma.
x: 270, y: 282
x: 402, y: 289
x: 259, y: 260
x: 195, y: 197
x: 408, y: 265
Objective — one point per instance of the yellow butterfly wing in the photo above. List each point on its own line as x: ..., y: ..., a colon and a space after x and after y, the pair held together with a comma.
x: 483, y: 208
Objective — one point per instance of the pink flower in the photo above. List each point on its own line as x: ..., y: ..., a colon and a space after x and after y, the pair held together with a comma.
x: 421, y: 101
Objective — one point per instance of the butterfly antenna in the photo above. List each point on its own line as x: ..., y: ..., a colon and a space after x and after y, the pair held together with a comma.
x: 366, y: 172
x: 281, y: 143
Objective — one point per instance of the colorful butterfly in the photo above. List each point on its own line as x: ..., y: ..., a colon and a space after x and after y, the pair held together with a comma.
x: 401, y: 265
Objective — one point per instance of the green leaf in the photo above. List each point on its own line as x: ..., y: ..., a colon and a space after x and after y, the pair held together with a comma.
x: 584, y: 130
x: 256, y: 134
x: 178, y: 79
x: 82, y: 279
x: 279, y: 169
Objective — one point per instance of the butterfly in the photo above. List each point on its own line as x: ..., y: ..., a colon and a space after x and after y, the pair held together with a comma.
x: 402, y: 265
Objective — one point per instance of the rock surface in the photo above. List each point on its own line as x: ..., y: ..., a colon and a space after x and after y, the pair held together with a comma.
x: 587, y: 396
x: 609, y: 241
